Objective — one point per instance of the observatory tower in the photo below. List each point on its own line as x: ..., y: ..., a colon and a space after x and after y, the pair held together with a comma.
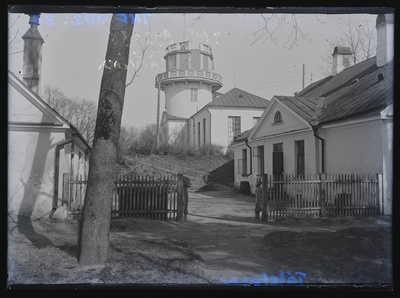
x: 188, y: 83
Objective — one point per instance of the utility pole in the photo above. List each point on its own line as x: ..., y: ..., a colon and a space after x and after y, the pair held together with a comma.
x: 304, y: 73
x: 311, y: 79
x: 158, y: 117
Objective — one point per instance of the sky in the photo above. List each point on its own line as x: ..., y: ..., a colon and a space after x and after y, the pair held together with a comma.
x: 75, y: 47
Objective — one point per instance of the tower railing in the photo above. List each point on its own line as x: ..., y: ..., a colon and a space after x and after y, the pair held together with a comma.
x: 189, y: 73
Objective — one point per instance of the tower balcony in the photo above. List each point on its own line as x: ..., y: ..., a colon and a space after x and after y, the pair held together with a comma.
x: 190, y: 75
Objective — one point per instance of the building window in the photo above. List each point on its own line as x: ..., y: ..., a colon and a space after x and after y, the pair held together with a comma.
x: 300, y: 160
x: 204, y: 130
x: 260, y: 159
x: 172, y: 62
x: 278, y: 117
x: 193, y: 94
x: 233, y: 128
x: 242, y: 163
x: 198, y: 133
x: 255, y: 120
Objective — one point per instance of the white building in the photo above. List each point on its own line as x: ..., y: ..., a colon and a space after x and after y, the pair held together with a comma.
x: 342, y: 124
x: 222, y: 120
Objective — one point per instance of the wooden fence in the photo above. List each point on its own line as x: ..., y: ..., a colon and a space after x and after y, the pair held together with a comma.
x: 154, y: 197
x: 318, y: 195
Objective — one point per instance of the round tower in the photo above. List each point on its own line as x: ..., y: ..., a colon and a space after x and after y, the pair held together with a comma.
x: 189, y: 80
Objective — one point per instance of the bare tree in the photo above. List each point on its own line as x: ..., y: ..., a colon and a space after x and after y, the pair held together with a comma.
x: 360, y: 37
x: 127, y: 138
x: 95, y: 226
x: 81, y: 113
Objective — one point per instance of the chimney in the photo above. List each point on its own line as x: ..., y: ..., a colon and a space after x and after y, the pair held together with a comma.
x: 32, y: 55
x: 385, y: 39
x: 341, y: 59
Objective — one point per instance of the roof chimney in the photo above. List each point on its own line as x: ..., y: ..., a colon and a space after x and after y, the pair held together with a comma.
x: 341, y: 59
x: 32, y: 55
x: 385, y: 39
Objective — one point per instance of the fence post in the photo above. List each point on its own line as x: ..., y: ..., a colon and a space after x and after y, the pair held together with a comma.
x: 186, y: 184
x: 264, y: 181
x: 257, y: 209
x: 180, y: 200
x: 322, y: 202
x: 380, y: 193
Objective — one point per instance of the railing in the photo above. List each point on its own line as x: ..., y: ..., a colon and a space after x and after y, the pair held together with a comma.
x: 318, y: 195
x: 74, y: 189
x: 204, y: 74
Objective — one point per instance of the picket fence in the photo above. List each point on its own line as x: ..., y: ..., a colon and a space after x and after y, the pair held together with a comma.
x: 318, y: 195
x: 155, y: 197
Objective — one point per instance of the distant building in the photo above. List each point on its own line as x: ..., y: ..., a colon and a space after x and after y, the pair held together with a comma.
x: 342, y: 124
x: 223, y: 119
x: 194, y: 110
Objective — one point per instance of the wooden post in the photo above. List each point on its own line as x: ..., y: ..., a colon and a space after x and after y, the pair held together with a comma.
x: 264, y: 181
x: 257, y: 209
x: 180, y: 200
x: 186, y: 184
x: 322, y: 188
x: 380, y: 193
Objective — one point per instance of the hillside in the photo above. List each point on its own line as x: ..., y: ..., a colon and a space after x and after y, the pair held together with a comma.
x: 197, y: 168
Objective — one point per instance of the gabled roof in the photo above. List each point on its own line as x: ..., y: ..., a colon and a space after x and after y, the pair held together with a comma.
x: 43, y: 106
x: 303, y: 106
x: 238, y: 98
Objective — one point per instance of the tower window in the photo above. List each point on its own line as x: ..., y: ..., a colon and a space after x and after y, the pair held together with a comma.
x: 193, y: 94
x: 172, y: 62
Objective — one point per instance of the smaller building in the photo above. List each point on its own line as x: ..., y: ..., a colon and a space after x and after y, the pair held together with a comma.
x: 224, y: 118
x: 342, y: 124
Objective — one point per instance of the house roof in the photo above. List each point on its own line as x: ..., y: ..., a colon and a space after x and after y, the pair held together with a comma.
x: 304, y: 106
x: 357, y: 90
x: 362, y: 89
x: 43, y: 105
x: 238, y: 98
x: 242, y: 137
x: 171, y: 117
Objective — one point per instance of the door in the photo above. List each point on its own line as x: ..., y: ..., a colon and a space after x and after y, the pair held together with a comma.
x: 277, y: 161
x: 277, y: 165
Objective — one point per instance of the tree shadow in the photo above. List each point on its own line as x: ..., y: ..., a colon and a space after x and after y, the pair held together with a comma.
x: 32, y: 191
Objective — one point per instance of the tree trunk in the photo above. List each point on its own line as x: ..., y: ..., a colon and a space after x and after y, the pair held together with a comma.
x: 94, y: 237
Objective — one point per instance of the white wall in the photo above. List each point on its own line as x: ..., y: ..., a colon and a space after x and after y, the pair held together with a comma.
x: 361, y: 148
x: 31, y: 172
x: 177, y: 98
x: 219, y: 122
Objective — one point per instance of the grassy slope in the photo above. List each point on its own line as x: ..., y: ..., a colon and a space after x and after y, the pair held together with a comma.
x: 206, y: 164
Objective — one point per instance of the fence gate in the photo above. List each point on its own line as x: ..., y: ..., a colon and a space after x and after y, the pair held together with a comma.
x: 154, y: 197
x: 318, y: 195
